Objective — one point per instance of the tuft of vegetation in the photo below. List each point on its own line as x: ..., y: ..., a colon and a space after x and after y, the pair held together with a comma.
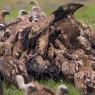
x: 49, y: 84
x: 53, y: 85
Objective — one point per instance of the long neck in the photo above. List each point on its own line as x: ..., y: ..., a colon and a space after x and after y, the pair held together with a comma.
x: 21, y: 84
x: 2, y: 19
x: 57, y: 92
x: 86, y: 62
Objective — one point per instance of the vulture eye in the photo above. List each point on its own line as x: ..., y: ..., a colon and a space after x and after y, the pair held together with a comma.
x: 72, y: 7
x: 36, y: 20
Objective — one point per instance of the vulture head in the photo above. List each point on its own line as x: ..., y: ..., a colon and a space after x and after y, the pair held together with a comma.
x: 4, y: 12
x: 35, y: 7
x: 22, y: 12
x: 71, y: 7
x: 62, y: 90
x: 65, y: 10
x: 2, y: 27
x: 36, y: 12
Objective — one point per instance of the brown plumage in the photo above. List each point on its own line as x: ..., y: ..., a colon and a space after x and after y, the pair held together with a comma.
x: 42, y: 42
x: 7, y: 58
x: 2, y: 48
x: 35, y: 27
x: 49, y: 47
x: 85, y: 78
x: 18, y: 46
x: 12, y: 25
x: 76, y: 53
x: 69, y: 68
x: 10, y: 68
x: 84, y: 43
x: 18, y: 49
x: 47, y: 21
x: 91, y: 37
x: 9, y: 44
x: 88, y: 34
x: 37, y: 65
x: 68, y: 35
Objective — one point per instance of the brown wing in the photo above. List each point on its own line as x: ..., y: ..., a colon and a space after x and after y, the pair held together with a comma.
x: 10, y: 68
x: 12, y: 26
x: 42, y: 90
x: 49, y: 92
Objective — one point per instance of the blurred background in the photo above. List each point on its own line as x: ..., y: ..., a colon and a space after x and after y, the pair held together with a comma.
x: 45, y: 4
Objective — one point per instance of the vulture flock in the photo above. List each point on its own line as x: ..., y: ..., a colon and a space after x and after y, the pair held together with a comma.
x: 57, y: 46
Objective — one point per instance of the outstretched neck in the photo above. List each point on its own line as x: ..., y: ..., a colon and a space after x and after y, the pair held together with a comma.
x: 21, y: 85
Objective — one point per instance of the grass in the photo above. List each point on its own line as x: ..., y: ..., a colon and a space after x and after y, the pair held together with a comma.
x: 49, y: 84
x: 85, y: 15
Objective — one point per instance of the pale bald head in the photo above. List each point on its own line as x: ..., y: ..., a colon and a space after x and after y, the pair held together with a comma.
x: 21, y: 84
x: 4, y: 12
x: 22, y: 12
x: 62, y: 90
x: 37, y: 13
x: 36, y: 10
x: 2, y: 26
